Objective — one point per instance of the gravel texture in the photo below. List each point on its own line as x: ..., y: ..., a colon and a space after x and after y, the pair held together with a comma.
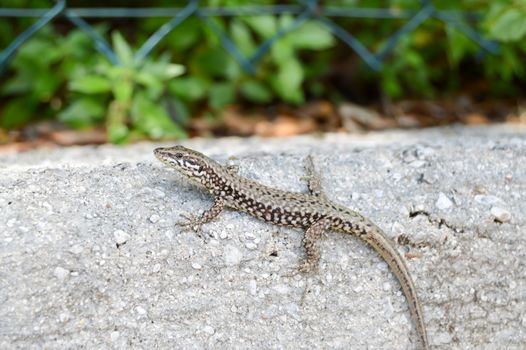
x: 90, y: 257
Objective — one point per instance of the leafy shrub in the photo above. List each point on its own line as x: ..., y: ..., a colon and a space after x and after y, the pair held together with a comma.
x: 62, y: 76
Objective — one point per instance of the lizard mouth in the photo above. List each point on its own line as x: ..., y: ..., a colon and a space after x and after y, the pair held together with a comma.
x: 162, y: 154
x: 158, y: 151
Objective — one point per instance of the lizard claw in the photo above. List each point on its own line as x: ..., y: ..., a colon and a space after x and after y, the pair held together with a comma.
x: 291, y: 274
x: 189, y: 223
x: 304, y: 268
x: 306, y: 178
x: 307, y: 267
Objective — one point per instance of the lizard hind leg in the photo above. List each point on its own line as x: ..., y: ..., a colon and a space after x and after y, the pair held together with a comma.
x: 312, y: 235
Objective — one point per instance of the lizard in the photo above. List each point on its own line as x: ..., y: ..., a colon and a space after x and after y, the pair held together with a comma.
x: 312, y: 211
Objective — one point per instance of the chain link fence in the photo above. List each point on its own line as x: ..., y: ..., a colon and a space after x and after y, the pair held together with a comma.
x: 302, y: 11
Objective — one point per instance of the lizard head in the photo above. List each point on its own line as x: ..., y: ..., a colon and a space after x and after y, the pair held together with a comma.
x: 190, y: 163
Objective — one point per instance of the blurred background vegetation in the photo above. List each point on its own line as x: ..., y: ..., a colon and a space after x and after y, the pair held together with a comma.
x: 189, y: 84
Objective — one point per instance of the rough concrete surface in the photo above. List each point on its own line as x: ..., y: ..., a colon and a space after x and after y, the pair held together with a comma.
x: 90, y: 257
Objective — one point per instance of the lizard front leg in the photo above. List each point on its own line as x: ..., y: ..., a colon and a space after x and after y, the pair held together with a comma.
x: 193, y: 222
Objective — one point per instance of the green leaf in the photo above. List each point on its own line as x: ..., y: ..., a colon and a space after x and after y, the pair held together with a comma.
x: 288, y: 81
x: 151, y: 119
x: 123, y: 89
x: 149, y: 80
x: 212, y: 61
x: 282, y: 50
x: 122, y: 49
x: 414, y: 59
x: 311, y: 35
x: 116, y: 121
x: 118, y: 133
x: 163, y: 71
x: 45, y: 85
x: 221, y: 94
x: 211, y: 37
x: 83, y: 112
x: 191, y: 88
x: 511, y: 65
x: 458, y: 45
x: 264, y: 25
x: 173, y: 70
x: 242, y: 37
x: 76, y: 43
x: 255, y: 91
x: 390, y: 84
x: 510, y: 25
x: 33, y: 51
x: 16, y: 85
x: 16, y: 113
x: 285, y: 21
x: 184, y: 36
x: 122, y: 83
x: 90, y: 84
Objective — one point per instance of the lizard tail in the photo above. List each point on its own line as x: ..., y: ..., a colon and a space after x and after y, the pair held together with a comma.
x: 383, y: 246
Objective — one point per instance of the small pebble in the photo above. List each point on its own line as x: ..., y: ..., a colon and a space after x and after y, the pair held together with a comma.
x: 486, y: 199
x: 417, y: 163
x: 232, y: 255
x: 196, y: 266
x: 154, y: 218
x: 501, y: 215
x: 443, y: 202
x: 441, y: 338
x: 250, y: 235
x: 158, y: 193
x: 209, y: 330
x: 251, y: 245
x: 120, y: 237
x: 282, y: 289
x: 156, y: 268
x: 63, y: 317
x: 386, y: 286
x: 76, y: 249
x: 293, y: 310
x: 328, y: 277
x: 388, y: 307
x: 252, y: 287
x: 60, y: 273
x: 114, y: 335
x: 140, y: 310
x: 169, y: 234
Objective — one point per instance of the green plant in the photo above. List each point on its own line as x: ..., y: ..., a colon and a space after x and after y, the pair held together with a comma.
x: 61, y: 76
x: 505, y: 23
x: 505, y: 20
x: 34, y: 89
x: 213, y: 75
x: 133, y: 93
